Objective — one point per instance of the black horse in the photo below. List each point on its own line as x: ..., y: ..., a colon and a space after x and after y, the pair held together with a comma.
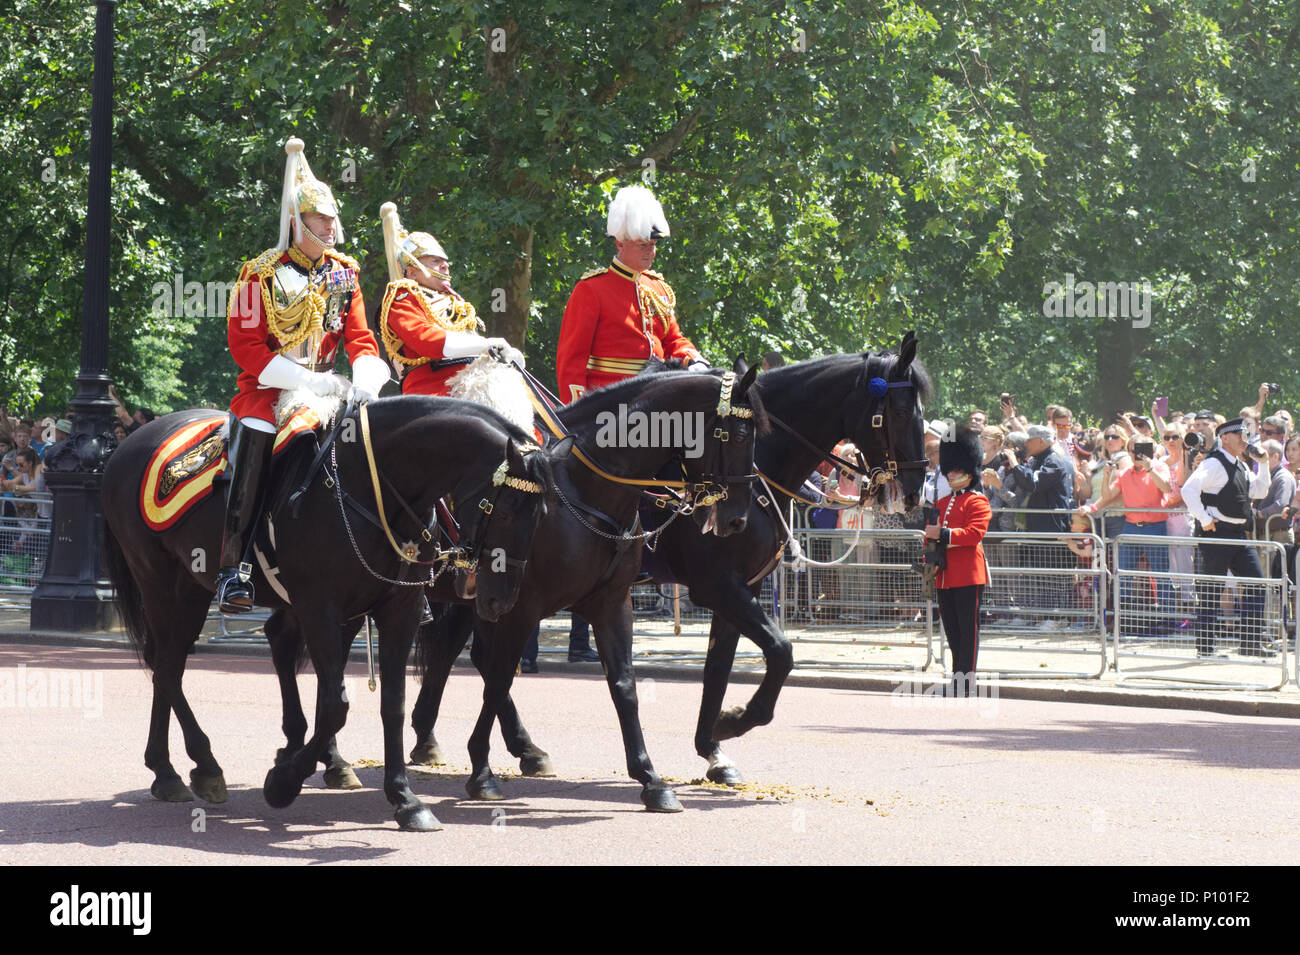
x: 586, y: 556
x: 359, y: 541
x: 875, y: 400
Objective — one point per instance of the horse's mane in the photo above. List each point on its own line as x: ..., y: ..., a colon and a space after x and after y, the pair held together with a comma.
x: 884, y: 359
x: 439, y: 404
x: 655, y: 367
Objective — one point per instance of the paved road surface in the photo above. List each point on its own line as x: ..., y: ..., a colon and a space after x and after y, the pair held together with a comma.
x: 841, y: 776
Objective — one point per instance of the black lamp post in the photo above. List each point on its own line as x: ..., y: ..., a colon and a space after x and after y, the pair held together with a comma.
x: 74, y: 593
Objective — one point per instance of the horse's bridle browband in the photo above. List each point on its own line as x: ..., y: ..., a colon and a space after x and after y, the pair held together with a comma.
x: 878, y: 391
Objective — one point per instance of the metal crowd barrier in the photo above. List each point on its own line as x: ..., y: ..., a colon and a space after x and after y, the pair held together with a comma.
x: 872, y: 598
x: 24, y: 548
x: 1161, y: 616
x: 1045, y: 596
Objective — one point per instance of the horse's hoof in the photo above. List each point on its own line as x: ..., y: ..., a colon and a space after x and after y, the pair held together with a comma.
x: 417, y: 819
x: 539, y: 765
x: 429, y: 754
x: 341, y: 777
x: 209, y: 788
x: 279, y: 789
x: 727, y: 725
x: 661, y: 799
x: 486, y: 789
x: 171, y: 790
x: 726, y: 775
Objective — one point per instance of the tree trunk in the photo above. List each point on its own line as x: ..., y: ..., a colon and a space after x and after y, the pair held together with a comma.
x: 1116, y: 348
x: 512, y: 324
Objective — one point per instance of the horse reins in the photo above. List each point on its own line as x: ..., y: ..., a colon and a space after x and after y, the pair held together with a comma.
x: 409, y: 552
x: 704, y: 493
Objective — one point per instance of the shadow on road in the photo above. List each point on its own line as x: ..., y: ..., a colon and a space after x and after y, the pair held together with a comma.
x: 246, y: 827
x: 1254, y: 745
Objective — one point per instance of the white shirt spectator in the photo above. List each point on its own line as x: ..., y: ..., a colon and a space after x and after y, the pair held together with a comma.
x: 1210, y: 478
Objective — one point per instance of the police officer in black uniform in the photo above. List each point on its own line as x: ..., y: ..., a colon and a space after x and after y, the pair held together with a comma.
x: 1218, y: 495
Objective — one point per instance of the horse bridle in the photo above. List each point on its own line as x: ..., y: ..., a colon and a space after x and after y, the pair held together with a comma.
x: 877, y: 406
x: 409, y: 552
x: 487, y: 507
x: 713, y: 487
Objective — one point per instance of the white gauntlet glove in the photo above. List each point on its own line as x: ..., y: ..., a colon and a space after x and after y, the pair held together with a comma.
x: 369, y: 375
x: 502, y: 351
x: 287, y: 375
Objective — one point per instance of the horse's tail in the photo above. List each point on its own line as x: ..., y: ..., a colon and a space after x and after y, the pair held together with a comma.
x: 130, y: 606
x: 432, y: 637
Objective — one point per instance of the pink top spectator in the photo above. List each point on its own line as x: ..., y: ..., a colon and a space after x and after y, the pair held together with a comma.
x: 1140, y: 491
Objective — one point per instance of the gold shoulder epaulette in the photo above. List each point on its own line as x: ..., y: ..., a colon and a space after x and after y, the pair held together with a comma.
x: 654, y: 275
x: 395, y: 290
x: 261, y: 263
x: 345, y: 259
x: 592, y: 274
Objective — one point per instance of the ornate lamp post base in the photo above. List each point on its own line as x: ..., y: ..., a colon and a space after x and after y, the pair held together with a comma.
x: 75, y: 593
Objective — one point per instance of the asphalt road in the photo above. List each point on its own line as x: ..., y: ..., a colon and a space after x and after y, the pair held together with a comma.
x: 839, y: 777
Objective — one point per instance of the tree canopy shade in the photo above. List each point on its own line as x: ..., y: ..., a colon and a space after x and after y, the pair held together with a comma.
x: 834, y: 173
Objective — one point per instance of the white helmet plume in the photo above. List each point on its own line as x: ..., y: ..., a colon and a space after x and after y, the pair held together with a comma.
x: 636, y: 214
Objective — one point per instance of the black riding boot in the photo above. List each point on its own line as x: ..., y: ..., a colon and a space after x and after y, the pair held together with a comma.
x: 248, y: 455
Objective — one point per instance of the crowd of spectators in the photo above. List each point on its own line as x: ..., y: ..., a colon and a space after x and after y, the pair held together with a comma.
x: 1057, y: 476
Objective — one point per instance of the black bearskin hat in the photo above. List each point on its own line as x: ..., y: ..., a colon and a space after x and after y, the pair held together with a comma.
x: 963, y: 453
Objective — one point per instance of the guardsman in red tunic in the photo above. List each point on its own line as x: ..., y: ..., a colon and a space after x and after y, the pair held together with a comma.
x: 430, y: 332
x: 963, y: 520
x: 620, y: 316
x: 288, y: 313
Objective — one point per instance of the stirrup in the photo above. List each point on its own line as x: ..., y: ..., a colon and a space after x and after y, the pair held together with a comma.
x: 234, y: 590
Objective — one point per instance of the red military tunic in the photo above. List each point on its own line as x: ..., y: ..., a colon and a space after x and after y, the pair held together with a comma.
x: 615, y: 320
x: 253, y: 343
x: 963, y: 521
x: 409, y: 322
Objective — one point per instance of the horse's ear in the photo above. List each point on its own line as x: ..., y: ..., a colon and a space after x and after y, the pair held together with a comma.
x: 747, y: 381
x: 740, y: 366
x: 560, y: 450
x: 907, y: 351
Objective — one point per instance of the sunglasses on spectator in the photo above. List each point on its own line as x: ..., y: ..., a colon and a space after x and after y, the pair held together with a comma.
x: 1269, y: 431
x: 1112, y: 437
x: 1172, y: 437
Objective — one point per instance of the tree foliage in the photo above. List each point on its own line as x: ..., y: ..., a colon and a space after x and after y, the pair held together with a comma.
x: 834, y: 173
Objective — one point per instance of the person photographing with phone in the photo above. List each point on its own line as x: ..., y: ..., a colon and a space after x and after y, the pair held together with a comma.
x: 1218, y: 495
x: 963, y: 520
x: 1144, y: 484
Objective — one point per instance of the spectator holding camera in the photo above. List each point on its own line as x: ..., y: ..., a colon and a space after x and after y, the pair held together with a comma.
x: 1112, y: 459
x: 1001, y: 485
x: 1271, y: 514
x: 1218, y: 495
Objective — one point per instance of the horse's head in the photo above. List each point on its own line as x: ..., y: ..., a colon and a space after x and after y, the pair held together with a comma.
x: 721, y: 477
x: 885, y: 419
x: 499, y: 522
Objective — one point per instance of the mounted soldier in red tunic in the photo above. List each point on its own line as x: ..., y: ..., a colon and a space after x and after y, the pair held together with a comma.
x: 291, y: 308
x: 430, y: 332
x: 618, y: 317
